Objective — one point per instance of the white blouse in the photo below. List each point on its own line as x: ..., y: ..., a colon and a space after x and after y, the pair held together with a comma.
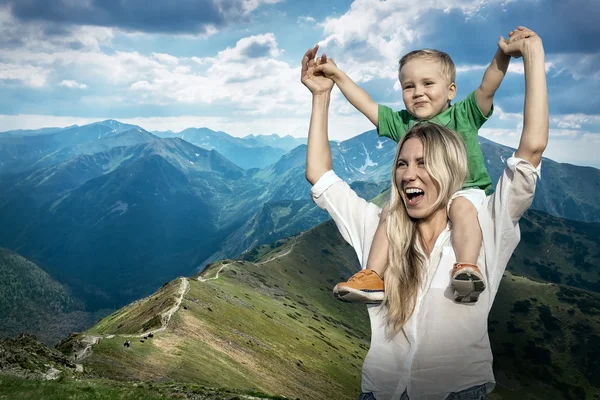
x: 444, y: 346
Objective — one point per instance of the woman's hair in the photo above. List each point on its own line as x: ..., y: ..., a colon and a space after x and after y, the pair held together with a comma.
x: 445, y: 160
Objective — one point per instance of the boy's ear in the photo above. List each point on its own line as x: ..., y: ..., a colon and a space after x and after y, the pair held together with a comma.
x: 452, y: 91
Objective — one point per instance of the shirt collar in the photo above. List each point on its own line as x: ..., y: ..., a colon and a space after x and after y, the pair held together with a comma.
x: 443, y: 119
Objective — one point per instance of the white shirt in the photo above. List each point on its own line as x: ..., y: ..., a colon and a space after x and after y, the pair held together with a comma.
x: 444, y: 346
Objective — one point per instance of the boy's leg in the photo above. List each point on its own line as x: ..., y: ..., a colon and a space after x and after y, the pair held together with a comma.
x: 467, y: 279
x: 378, y: 255
x: 366, y: 286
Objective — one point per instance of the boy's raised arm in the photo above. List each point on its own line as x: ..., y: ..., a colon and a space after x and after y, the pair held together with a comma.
x: 353, y: 93
x: 492, y: 78
x: 494, y: 74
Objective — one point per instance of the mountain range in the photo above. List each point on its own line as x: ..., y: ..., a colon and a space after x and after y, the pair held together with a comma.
x: 113, y: 211
x: 99, y: 216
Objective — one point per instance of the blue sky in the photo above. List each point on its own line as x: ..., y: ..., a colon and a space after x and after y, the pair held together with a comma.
x: 233, y: 65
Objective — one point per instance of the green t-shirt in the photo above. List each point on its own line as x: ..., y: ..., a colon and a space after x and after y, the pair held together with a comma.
x: 464, y: 117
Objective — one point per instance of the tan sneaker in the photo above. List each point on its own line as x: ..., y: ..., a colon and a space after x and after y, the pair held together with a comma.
x: 364, y: 287
x: 467, y: 282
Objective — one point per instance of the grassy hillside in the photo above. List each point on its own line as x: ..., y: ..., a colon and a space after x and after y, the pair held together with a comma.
x: 31, y: 370
x: 269, y: 323
x: 559, y: 250
x: 32, y: 301
x: 545, y: 340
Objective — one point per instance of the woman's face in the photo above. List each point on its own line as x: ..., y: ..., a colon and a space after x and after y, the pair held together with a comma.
x: 415, y: 186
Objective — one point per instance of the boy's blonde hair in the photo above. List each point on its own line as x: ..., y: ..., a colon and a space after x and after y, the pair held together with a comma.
x: 448, y: 68
x: 446, y: 162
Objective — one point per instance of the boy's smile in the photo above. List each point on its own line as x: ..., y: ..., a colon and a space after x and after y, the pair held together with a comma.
x: 425, y: 89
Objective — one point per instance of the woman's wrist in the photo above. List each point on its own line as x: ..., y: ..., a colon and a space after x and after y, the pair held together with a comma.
x: 322, y: 96
x: 533, y: 50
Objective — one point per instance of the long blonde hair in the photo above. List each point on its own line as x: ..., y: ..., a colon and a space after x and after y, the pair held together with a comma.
x: 445, y: 160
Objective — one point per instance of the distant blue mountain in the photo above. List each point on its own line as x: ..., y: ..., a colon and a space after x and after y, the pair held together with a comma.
x: 245, y: 153
x: 18, y: 153
x: 154, y: 213
x: 31, y: 132
x: 286, y: 143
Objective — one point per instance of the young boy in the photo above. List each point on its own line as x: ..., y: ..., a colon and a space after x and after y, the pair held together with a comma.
x: 428, y: 85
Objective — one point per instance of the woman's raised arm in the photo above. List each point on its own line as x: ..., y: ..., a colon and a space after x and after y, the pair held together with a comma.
x: 534, y: 137
x: 318, y: 153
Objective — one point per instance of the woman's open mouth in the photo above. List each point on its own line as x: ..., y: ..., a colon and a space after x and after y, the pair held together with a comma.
x: 414, y: 195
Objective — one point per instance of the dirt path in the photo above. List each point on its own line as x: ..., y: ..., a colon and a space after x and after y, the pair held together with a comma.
x: 201, y: 279
x: 280, y: 255
x: 89, y: 340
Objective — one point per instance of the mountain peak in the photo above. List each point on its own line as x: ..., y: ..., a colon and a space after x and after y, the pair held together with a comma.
x: 115, y: 125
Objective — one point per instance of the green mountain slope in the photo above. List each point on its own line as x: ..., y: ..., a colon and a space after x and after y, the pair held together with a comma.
x: 32, y: 302
x: 558, y: 250
x: 270, y: 325
x: 545, y: 340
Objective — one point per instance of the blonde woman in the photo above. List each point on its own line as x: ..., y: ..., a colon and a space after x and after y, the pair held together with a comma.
x: 423, y: 344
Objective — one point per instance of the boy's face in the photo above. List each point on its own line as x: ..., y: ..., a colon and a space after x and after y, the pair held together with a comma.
x: 425, y: 89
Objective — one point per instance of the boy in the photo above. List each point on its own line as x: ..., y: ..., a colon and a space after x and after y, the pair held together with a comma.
x: 428, y: 85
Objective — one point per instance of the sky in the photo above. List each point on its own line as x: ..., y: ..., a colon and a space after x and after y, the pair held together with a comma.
x: 234, y: 65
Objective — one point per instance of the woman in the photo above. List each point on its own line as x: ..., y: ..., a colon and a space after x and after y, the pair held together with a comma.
x: 429, y: 347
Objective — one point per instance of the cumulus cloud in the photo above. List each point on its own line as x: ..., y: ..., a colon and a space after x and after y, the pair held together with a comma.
x: 259, y: 46
x: 172, y: 16
x: 73, y: 84
x: 28, y: 75
x: 166, y: 58
x: 246, y: 76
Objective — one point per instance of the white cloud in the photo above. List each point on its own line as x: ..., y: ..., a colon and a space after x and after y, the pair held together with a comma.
x: 505, y: 116
x: 469, y: 68
x: 166, y: 58
x: 29, y: 75
x: 578, y: 65
x: 258, y: 46
x: 73, y: 84
x: 306, y: 19
x: 575, y: 121
x: 517, y: 67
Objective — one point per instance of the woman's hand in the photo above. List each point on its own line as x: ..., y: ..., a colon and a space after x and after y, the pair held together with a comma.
x: 519, y: 42
x: 313, y: 80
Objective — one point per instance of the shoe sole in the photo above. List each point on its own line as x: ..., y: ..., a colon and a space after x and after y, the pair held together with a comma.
x: 350, y: 295
x: 467, y: 287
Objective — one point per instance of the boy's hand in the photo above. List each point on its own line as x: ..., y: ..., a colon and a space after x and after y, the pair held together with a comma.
x: 327, y: 67
x: 516, y: 43
x: 517, y: 34
x: 314, y: 81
